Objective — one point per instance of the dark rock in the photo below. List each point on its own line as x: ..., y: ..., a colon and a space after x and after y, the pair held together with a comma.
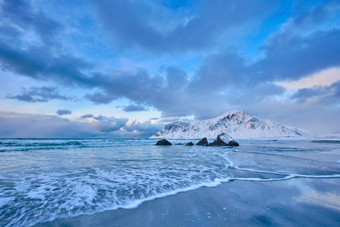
x: 203, y: 142
x: 213, y: 143
x: 163, y: 142
x: 189, y: 144
x: 223, y: 140
x: 233, y: 143
x: 179, y: 144
x: 220, y: 141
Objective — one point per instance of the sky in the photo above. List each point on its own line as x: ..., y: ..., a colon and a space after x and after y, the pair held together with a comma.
x: 111, y: 68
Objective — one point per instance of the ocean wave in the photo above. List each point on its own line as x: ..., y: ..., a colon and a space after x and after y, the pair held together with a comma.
x: 37, y: 187
x: 84, y: 198
x: 326, y: 141
x: 20, y: 145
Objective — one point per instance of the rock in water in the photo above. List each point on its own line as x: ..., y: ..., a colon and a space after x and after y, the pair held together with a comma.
x: 189, y: 144
x: 163, y: 142
x: 223, y: 139
x: 213, y: 143
x: 233, y: 143
x: 203, y: 142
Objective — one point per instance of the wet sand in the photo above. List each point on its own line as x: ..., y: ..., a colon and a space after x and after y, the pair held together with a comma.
x: 294, y: 202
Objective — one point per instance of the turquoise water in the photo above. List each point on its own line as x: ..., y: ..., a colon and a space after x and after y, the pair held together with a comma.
x: 46, y: 179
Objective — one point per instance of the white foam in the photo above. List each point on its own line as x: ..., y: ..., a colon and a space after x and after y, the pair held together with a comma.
x: 288, y: 177
x: 136, y: 203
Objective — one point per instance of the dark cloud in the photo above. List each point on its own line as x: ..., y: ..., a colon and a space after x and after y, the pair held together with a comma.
x: 40, y: 56
x: 248, y: 95
x: 39, y: 94
x: 174, y: 98
x: 303, y: 94
x: 134, y: 108
x: 100, y: 98
x: 40, y: 63
x: 305, y: 44
x: 63, y: 112
x: 8, y: 32
x: 19, y: 13
x: 287, y: 56
x: 219, y: 71
x: 14, y: 125
x: 325, y: 95
x: 135, y: 85
x: 87, y: 116
x: 155, y: 27
x: 293, y: 57
x: 311, y: 16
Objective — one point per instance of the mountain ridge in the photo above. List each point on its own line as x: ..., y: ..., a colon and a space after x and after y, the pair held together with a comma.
x: 236, y: 123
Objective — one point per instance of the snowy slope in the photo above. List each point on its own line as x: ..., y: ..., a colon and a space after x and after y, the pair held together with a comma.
x: 238, y: 124
x: 329, y: 136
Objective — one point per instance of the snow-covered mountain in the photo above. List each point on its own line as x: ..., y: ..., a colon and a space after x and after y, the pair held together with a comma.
x: 238, y: 124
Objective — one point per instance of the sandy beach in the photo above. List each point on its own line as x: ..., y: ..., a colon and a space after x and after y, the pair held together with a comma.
x: 294, y: 202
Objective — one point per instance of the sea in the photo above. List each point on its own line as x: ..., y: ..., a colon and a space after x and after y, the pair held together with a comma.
x: 42, y: 180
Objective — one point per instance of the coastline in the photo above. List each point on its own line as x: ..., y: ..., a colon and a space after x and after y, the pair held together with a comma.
x: 293, y: 202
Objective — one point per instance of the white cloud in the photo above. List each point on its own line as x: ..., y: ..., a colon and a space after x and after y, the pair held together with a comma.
x: 322, y: 78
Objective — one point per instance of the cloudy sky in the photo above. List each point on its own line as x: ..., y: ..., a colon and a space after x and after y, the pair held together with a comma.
x: 124, y: 68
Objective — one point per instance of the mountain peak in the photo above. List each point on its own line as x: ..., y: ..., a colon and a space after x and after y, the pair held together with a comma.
x: 234, y: 112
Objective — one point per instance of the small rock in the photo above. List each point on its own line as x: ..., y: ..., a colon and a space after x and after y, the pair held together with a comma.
x: 163, y: 142
x: 203, y: 142
x: 189, y: 144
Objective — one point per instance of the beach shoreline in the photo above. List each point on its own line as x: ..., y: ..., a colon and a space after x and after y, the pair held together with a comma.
x: 293, y: 202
